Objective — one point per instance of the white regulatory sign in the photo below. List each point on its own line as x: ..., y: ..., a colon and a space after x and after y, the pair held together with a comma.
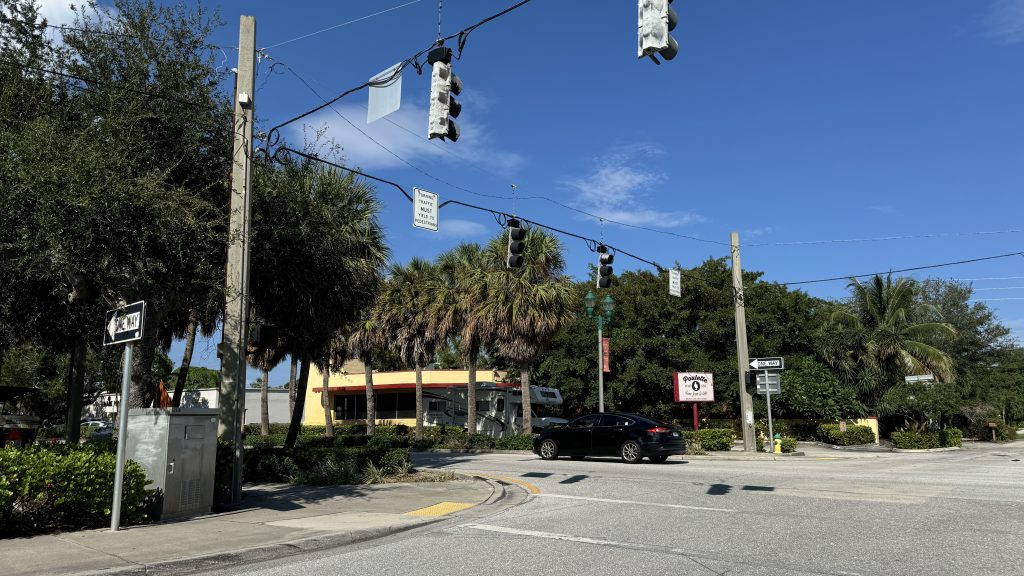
x: 767, y: 363
x: 424, y: 210
x: 694, y: 387
x: 675, y: 283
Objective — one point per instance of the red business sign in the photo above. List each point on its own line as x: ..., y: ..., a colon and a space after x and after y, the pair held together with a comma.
x: 694, y: 387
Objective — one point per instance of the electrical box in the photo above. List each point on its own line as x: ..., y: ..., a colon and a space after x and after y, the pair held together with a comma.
x: 177, y: 447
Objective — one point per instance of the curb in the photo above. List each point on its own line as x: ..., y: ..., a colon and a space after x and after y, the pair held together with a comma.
x: 475, y: 451
x: 277, y: 550
x: 866, y: 448
x: 946, y: 449
x: 723, y: 455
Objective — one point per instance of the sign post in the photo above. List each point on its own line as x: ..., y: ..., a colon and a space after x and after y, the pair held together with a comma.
x: 694, y: 387
x: 123, y: 326
x: 771, y: 380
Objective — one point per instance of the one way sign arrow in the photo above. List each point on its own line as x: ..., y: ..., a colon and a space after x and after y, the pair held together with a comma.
x: 767, y: 363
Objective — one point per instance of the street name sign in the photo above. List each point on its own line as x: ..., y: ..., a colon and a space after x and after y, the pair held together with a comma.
x: 919, y: 378
x: 124, y: 324
x: 768, y: 382
x: 424, y: 210
x: 767, y: 363
x: 694, y: 387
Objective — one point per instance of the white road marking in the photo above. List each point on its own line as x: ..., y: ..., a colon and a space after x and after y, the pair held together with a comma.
x: 556, y: 536
x: 633, y: 502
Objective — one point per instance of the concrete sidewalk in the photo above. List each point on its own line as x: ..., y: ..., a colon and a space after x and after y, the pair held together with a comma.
x: 275, y: 520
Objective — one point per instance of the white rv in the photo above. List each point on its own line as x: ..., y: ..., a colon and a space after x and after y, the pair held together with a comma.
x: 499, y: 409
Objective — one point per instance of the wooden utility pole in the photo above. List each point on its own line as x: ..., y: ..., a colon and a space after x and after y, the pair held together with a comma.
x: 236, y: 309
x: 742, y: 361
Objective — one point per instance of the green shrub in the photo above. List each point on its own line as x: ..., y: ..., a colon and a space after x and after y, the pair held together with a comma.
x: 915, y: 439
x: 43, y: 490
x: 1004, y: 432
x: 711, y: 439
x: 951, y: 437
x: 788, y: 444
x: 394, y: 460
x: 516, y: 442
x: 222, y: 477
x: 855, y: 434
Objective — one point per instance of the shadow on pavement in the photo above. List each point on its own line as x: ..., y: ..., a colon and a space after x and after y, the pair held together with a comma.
x: 287, y: 497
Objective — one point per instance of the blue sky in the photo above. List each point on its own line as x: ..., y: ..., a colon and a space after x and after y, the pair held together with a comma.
x: 790, y: 122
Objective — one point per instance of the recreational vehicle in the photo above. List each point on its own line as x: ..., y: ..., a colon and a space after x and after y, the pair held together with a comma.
x: 499, y: 409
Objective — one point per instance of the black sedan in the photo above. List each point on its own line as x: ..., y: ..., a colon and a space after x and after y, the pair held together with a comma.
x: 629, y: 436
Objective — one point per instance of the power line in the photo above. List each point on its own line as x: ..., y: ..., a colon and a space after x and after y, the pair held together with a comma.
x: 999, y: 288
x: 883, y: 238
x: 848, y: 277
x: 274, y: 133
x: 368, y: 16
x: 995, y: 299
x: 991, y: 278
x: 109, y: 85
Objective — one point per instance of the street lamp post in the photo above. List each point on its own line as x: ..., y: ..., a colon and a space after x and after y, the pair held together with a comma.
x: 607, y: 304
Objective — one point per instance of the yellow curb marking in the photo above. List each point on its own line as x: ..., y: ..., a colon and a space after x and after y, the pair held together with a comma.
x: 530, y: 487
x: 440, y: 509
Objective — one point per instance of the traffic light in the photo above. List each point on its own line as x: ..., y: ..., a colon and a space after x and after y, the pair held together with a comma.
x: 516, y: 244
x: 656, y: 19
x: 443, y: 86
x: 750, y: 382
x: 604, y: 271
x: 262, y: 336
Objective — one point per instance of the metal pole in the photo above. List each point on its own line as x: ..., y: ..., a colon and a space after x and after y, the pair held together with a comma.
x: 600, y: 364
x: 236, y: 310
x: 742, y: 361
x: 768, y: 399
x: 122, y: 438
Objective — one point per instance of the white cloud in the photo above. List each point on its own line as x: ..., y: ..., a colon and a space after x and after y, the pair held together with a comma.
x: 56, y: 12
x: 453, y: 228
x: 882, y: 208
x: 617, y: 187
x: 404, y: 134
x: 1004, y: 21
x: 758, y: 232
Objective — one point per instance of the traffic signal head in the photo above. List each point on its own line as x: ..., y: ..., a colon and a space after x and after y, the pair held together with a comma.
x: 604, y: 270
x: 655, y: 20
x: 516, y: 244
x: 443, y: 86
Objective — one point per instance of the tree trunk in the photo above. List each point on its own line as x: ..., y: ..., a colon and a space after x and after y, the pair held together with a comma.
x: 76, y: 385
x: 291, y: 384
x: 419, y: 400
x: 527, y: 415
x: 186, y: 357
x: 265, y: 405
x: 325, y: 400
x: 471, y: 398
x: 371, y: 408
x: 300, y: 402
x: 142, y: 393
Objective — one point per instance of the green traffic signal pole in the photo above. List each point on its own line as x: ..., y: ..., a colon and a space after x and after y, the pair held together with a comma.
x: 608, y: 303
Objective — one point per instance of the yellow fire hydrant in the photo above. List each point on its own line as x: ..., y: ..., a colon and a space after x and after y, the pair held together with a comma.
x: 778, y: 444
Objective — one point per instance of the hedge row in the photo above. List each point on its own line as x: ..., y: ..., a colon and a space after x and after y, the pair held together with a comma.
x: 711, y: 439
x: 43, y: 489
x: 916, y: 439
x: 831, y: 434
x: 451, y: 437
x: 323, y: 463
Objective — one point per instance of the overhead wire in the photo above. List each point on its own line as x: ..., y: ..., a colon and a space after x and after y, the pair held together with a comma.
x: 329, y: 28
x: 109, y: 85
x: 915, y: 268
x: 883, y: 238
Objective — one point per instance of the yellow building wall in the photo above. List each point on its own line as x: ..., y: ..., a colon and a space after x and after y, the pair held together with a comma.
x: 870, y: 422
x: 314, y: 409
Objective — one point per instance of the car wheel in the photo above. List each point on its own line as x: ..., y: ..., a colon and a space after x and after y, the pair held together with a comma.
x: 548, y: 449
x: 658, y: 459
x: 577, y: 456
x: 630, y: 452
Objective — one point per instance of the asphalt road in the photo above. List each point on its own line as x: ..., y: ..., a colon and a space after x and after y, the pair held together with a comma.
x: 826, y: 513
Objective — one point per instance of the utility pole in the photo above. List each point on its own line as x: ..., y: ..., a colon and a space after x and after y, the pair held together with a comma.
x: 236, y: 309
x: 742, y: 361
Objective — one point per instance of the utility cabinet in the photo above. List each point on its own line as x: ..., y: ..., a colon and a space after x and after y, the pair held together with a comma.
x: 177, y: 447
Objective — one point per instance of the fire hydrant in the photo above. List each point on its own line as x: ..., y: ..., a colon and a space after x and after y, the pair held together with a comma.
x: 778, y: 444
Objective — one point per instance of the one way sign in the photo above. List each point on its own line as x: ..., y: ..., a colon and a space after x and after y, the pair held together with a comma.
x: 767, y: 363
x: 124, y: 324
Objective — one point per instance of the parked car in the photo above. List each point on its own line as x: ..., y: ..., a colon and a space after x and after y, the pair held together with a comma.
x: 629, y: 436
x: 105, y: 432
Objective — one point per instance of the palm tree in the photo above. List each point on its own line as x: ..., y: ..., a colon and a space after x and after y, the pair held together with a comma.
x: 882, y: 335
x: 526, y: 306
x: 403, y: 315
x: 335, y: 355
x: 459, y: 289
x: 265, y: 360
x: 364, y: 337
